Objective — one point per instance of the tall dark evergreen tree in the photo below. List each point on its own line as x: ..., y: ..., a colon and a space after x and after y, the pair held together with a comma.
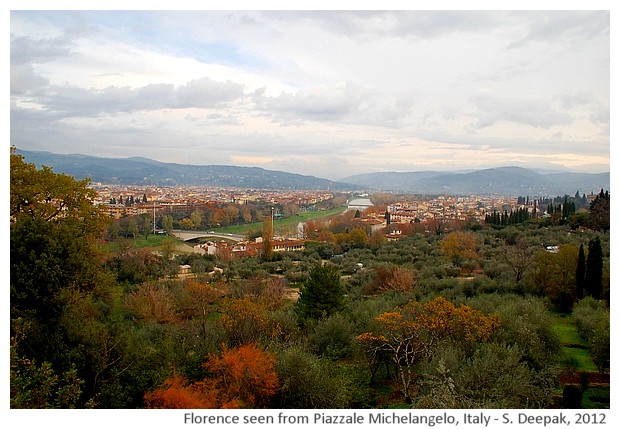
x: 594, y: 269
x: 580, y: 275
x: 600, y: 212
x: 321, y: 294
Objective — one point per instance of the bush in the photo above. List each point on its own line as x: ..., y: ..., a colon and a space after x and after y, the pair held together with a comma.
x: 333, y: 337
x: 308, y: 382
x: 588, y: 314
x: 492, y: 377
x: 525, y: 324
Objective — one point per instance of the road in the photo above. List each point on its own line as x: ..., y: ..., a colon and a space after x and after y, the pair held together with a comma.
x: 191, y: 235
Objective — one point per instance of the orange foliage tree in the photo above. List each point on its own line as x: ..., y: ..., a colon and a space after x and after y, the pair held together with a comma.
x: 176, y: 393
x: 459, y: 246
x: 411, y: 334
x: 243, y: 377
x: 246, y: 321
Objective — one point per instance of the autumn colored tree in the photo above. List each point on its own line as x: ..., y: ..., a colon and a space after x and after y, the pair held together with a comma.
x: 246, y: 321
x: 554, y: 275
x: 267, y: 253
x: 459, y: 246
x: 176, y: 393
x: 410, y: 334
x: 152, y: 302
x: 391, y: 278
x: 243, y: 377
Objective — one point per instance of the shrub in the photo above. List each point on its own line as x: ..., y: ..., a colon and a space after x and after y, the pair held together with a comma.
x: 333, y: 337
x: 308, y: 382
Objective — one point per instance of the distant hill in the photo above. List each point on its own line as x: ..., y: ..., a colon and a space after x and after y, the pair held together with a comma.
x: 143, y: 171
x: 508, y: 181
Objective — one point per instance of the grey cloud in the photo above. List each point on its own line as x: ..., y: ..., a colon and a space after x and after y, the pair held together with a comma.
x: 368, y: 24
x: 564, y: 26
x: 535, y: 113
x: 71, y: 101
x: 207, y: 93
x: 349, y: 103
x: 25, y: 49
x: 25, y: 81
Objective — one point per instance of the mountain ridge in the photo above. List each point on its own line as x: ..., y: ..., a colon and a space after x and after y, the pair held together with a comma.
x: 509, y: 180
x: 144, y: 171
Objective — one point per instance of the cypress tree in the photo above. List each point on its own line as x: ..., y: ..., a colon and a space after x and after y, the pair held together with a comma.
x: 594, y: 269
x: 580, y: 275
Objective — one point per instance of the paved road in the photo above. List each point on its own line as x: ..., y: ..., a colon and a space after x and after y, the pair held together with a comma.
x: 190, y: 235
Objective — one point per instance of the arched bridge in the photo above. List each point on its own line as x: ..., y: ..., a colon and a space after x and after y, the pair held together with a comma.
x: 192, y: 235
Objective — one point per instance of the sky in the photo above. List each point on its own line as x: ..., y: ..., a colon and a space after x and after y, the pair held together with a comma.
x: 323, y: 93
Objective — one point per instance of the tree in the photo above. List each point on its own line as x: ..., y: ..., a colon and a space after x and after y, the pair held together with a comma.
x: 321, y: 294
x: 243, y: 377
x: 594, y: 269
x: 391, y: 278
x: 519, y: 258
x: 196, y: 218
x: 167, y: 223
x: 309, y: 382
x: 600, y: 212
x: 554, y: 276
x: 459, y: 246
x: 267, y: 253
x: 411, y: 334
x: 176, y: 393
x: 53, y: 264
x: 580, y: 273
x: 245, y: 321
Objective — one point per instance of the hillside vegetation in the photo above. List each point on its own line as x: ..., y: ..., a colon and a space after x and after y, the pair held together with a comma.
x: 474, y: 317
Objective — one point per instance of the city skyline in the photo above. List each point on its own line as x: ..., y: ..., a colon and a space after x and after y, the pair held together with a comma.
x: 329, y: 94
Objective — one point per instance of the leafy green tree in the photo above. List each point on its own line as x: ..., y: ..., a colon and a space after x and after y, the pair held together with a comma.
x: 600, y: 343
x: 321, y: 294
x: 167, y: 223
x: 54, y: 264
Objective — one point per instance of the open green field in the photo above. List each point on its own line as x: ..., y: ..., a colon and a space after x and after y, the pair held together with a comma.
x: 574, y: 347
x: 282, y: 225
x: 139, y: 242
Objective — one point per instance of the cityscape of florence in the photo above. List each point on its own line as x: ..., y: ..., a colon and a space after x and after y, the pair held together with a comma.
x: 280, y: 218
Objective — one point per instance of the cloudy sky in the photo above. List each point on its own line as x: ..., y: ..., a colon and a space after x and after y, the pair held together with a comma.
x: 324, y: 93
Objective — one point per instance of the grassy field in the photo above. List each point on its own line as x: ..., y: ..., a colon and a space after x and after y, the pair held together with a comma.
x: 574, y: 347
x: 281, y: 226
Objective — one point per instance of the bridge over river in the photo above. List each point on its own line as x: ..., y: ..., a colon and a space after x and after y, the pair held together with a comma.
x: 192, y: 235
